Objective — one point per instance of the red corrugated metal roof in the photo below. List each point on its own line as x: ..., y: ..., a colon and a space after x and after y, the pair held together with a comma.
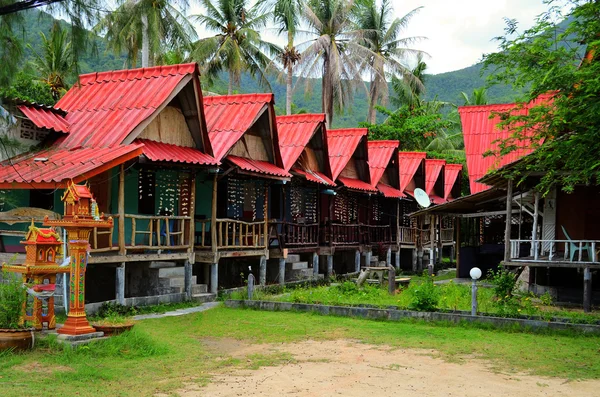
x: 356, y: 184
x: 44, y: 117
x: 341, y: 144
x: 258, y: 166
x: 158, y: 151
x: 295, y: 131
x: 52, y: 167
x: 480, y: 132
x: 104, y: 108
x: 380, y: 154
x: 228, y: 117
x: 389, y: 191
x: 433, y: 168
x: 408, y: 163
x: 314, y: 176
x: 437, y: 199
x: 451, y: 172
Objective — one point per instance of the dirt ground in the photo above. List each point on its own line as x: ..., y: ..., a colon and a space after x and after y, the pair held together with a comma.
x: 350, y: 368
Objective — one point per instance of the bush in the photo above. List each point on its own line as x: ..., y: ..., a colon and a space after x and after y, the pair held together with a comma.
x: 12, y: 298
x: 425, y: 296
x: 504, y: 284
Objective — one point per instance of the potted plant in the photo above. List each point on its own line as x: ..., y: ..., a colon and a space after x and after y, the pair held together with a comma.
x: 13, y: 334
x: 113, y: 324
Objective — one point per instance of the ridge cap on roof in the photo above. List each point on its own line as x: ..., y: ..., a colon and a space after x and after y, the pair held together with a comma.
x: 436, y: 160
x: 417, y: 154
x: 341, y: 131
x: 389, y: 142
x: 268, y: 97
x: 137, y: 73
x: 454, y: 165
x: 289, y: 118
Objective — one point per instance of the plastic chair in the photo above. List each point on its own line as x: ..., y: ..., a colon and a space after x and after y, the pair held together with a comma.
x: 575, y: 247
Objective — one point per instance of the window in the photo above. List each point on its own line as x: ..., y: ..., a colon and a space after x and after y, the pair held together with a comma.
x: 40, y: 198
x: 146, y: 192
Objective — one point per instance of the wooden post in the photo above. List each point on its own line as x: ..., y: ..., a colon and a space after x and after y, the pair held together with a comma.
x: 457, y: 247
x: 398, y: 224
x: 213, y: 219
x: 121, y: 208
x: 440, y: 246
x: 192, y: 237
x: 587, y: 290
x: 266, y: 211
x: 431, y: 243
x: 534, y: 236
x: 509, y: 199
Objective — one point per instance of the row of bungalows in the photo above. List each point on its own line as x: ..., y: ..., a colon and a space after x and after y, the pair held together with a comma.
x: 204, y: 190
x: 550, y: 240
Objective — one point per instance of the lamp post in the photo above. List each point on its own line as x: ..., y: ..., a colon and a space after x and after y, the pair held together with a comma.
x: 475, y: 274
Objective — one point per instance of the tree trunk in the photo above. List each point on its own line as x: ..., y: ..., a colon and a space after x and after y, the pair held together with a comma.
x: 288, y: 92
x: 145, y: 42
x: 327, y: 94
x: 230, y: 87
x: 371, y: 118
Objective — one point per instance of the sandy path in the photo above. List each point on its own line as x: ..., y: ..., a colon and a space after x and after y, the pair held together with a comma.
x: 353, y: 369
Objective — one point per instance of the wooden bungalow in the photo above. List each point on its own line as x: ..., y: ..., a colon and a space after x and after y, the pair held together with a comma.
x: 295, y: 208
x: 243, y: 134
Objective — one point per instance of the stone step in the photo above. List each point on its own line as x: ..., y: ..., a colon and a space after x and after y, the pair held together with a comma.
x: 171, y: 272
x: 300, y: 274
x: 206, y: 297
x: 161, y: 265
x: 296, y: 266
x: 174, y: 281
x: 291, y: 258
x: 199, y: 289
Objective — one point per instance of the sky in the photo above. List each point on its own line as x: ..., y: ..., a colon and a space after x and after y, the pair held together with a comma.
x: 458, y: 32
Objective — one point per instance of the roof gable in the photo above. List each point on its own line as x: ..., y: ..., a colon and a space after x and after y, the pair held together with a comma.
x: 380, y: 155
x: 408, y: 164
x: 433, y: 169
x: 295, y: 132
x: 451, y: 172
x: 342, y: 145
x: 46, y: 117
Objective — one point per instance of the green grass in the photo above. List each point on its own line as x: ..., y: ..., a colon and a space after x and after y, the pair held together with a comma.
x: 161, y: 355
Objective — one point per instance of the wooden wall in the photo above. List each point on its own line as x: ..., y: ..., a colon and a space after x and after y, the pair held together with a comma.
x: 169, y: 127
x: 579, y: 213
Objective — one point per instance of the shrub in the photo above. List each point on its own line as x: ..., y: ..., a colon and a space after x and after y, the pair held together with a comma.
x: 12, y: 298
x: 504, y: 284
x: 425, y: 296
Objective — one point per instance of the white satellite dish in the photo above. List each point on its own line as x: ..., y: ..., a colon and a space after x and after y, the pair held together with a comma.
x: 422, y: 198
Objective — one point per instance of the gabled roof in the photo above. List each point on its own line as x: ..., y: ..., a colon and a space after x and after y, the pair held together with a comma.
x: 45, y: 117
x: 103, y: 109
x: 356, y: 184
x: 451, y: 172
x: 295, y: 132
x: 409, y: 163
x: 159, y: 151
x: 258, y: 167
x: 342, y: 143
x: 53, y: 167
x: 314, y: 176
x: 389, y: 191
x: 228, y: 117
x: 380, y: 154
x: 433, y: 168
x: 480, y: 133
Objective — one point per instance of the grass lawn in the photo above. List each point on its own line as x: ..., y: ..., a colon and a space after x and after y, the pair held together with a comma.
x: 162, y: 354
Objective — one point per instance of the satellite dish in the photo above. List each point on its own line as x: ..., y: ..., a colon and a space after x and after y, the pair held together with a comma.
x: 422, y: 198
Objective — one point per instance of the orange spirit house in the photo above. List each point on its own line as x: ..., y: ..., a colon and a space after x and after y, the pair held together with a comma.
x: 39, y: 271
x: 80, y: 218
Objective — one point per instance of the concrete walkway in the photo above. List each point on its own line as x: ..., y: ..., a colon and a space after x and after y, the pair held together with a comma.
x: 180, y: 312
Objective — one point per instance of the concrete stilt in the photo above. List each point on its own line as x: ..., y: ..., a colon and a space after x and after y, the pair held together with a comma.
x: 120, y: 284
x: 315, y: 264
x: 357, y: 261
x: 388, y: 257
x: 281, y: 271
x: 397, y: 260
x: 368, y: 256
x: 414, y: 260
x: 329, y: 266
x: 214, y: 277
x: 419, y: 260
x: 188, y: 279
x: 587, y: 290
x: 263, y: 270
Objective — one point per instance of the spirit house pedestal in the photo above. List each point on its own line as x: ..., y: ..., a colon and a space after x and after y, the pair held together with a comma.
x: 81, y: 217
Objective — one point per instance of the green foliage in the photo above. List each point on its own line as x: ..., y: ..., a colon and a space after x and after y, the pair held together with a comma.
x: 504, y: 283
x: 27, y: 87
x: 12, y: 298
x: 426, y: 295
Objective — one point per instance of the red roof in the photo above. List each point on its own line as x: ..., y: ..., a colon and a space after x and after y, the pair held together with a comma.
x: 408, y: 163
x: 50, y: 168
x: 437, y: 199
x: 341, y: 145
x: 45, y: 117
x: 451, y: 172
x: 158, y: 151
x: 314, y: 176
x: 389, y: 191
x: 258, y: 166
x: 104, y: 108
x: 433, y: 168
x: 480, y: 132
x: 295, y: 132
x: 356, y: 184
x: 380, y: 154
x: 228, y: 117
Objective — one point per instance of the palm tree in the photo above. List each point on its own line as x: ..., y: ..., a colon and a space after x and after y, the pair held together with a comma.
x: 55, y: 64
x: 152, y: 26
x: 337, y: 54
x: 408, y: 91
x: 287, y: 16
x: 479, y: 97
x: 237, y: 46
x: 390, y: 51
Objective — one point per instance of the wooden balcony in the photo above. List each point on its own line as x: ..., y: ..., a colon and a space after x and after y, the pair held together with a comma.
x: 231, y: 234
x: 407, y: 235
x: 340, y: 234
x: 379, y: 234
x: 295, y: 235
x: 447, y: 235
x: 555, y: 253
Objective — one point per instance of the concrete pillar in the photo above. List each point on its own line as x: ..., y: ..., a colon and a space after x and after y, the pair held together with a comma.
x: 419, y: 260
x: 281, y: 271
x: 431, y: 259
x: 119, y: 284
x: 188, y: 279
x: 329, y: 266
x: 263, y: 271
x: 368, y: 256
x: 397, y: 260
x: 214, y: 277
x: 414, y: 260
x: 587, y: 290
x: 315, y: 264
x: 357, y: 261
x: 388, y: 257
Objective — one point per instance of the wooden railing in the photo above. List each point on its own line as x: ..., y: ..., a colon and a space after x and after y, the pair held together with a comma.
x: 202, y: 239
x: 343, y: 234
x: 233, y: 234
x: 425, y: 236
x: 447, y: 235
x: 408, y: 235
x: 551, y: 250
x: 292, y: 234
x: 379, y: 234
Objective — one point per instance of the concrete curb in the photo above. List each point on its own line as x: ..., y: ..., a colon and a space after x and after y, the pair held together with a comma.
x: 398, y: 315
